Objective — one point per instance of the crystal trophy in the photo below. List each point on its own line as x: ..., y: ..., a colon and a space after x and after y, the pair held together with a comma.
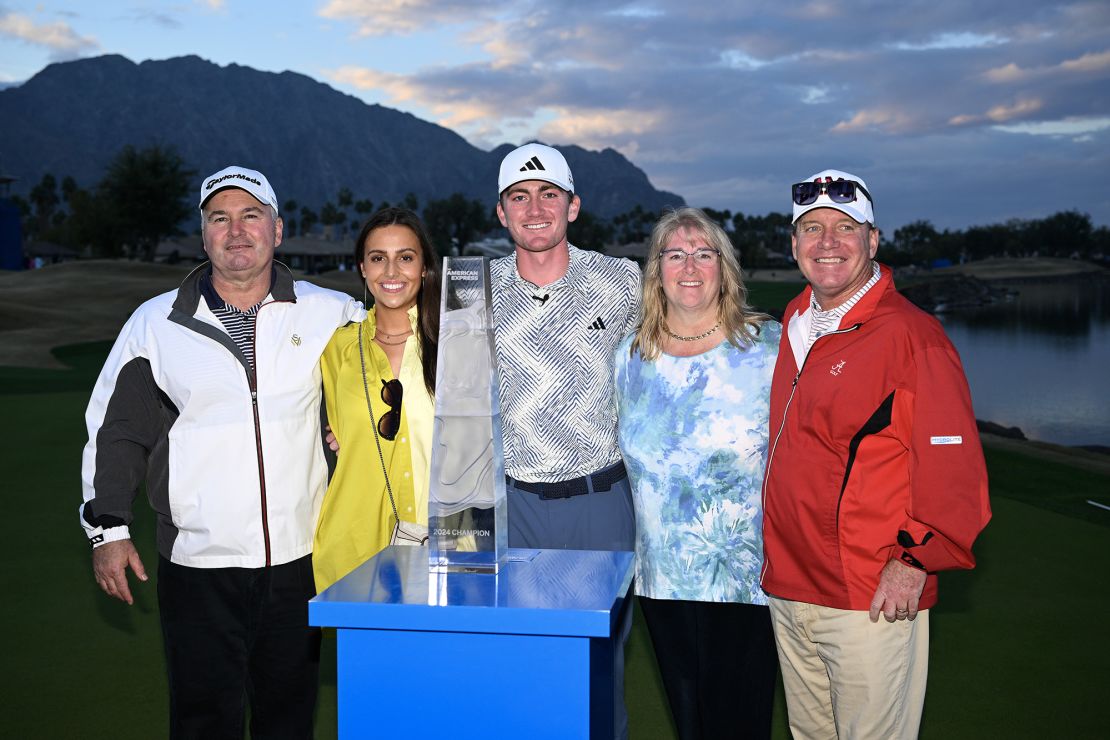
x: 467, y: 511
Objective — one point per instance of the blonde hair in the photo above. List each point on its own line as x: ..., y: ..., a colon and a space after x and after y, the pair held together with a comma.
x: 739, y: 322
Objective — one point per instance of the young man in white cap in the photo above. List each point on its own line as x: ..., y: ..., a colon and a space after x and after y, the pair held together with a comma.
x: 212, y: 393
x: 875, y: 479
x: 560, y: 312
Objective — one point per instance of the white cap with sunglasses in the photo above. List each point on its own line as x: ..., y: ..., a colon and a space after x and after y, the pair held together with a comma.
x: 834, y: 189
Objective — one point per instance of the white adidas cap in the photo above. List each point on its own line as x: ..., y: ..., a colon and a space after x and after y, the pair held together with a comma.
x: 534, y: 162
x: 252, y: 181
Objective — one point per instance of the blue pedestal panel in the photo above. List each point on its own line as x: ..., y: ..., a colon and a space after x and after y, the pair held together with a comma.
x: 525, y: 653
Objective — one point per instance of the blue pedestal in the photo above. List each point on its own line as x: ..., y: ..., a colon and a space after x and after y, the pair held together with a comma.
x: 526, y: 653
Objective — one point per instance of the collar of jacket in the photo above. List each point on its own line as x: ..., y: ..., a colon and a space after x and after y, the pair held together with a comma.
x: 188, y: 295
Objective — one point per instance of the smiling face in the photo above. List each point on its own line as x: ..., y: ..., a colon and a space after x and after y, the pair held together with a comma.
x: 240, y: 235
x: 691, y: 281
x: 537, y: 213
x: 834, y: 253
x: 392, y: 266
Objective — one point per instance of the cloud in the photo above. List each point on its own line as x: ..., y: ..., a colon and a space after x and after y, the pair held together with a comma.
x: 386, y: 17
x: 882, y: 120
x: 1000, y: 113
x: 1099, y: 62
x: 956, y: 40
x: 1090, y: 63
x: 726, y: 103
x: 62, y: 40
x: 1082, y: 128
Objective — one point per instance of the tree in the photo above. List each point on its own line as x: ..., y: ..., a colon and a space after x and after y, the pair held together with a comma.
x: 308, y: 220
x: 1063, y: 234
x: 91, y: 223
x: 634, y: 225
x: 454, y: 221
x: 330, y: 216
x: 147, y: 194
x: 754, y: 236
x: 916, y: 242
x: 721, y: 217
x: 589, y: 232
x: 69, y: 187
x: 289, y: 221
x: 44, y: 198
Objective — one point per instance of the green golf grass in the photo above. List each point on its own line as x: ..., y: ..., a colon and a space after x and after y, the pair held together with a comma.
x: 1018, y: 644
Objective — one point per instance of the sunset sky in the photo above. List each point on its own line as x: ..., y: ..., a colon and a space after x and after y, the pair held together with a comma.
x: 956, y: 112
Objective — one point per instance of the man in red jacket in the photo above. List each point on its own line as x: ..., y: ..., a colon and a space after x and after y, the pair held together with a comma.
x: 875, y: 478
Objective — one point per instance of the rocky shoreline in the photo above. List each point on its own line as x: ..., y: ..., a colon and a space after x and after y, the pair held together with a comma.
x: 953, y: 292
x: 977, y: 284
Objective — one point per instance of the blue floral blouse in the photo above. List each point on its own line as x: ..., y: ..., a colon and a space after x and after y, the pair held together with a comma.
x: 693, y: 432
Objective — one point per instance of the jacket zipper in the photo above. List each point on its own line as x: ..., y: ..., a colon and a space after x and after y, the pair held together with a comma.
x: 253, y: 382
x: 782, y: 424
x: 261, y: 463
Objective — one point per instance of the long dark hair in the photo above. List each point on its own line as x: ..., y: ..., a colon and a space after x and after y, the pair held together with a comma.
x: 427, y: 299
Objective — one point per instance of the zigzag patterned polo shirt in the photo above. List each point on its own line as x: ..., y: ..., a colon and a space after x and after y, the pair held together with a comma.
x: 555, y: 363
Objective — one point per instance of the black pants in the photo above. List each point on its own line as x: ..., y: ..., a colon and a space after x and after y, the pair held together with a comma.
x: 718, y: 664
x: 237, y: 635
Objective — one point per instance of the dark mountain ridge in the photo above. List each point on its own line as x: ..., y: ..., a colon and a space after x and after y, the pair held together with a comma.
x: 309, y: 139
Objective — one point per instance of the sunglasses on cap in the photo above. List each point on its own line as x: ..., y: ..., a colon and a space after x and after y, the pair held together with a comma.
x: 839, y: 191
x: 390, y: 423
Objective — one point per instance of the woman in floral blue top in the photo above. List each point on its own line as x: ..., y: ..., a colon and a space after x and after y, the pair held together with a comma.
x: 693, y: 386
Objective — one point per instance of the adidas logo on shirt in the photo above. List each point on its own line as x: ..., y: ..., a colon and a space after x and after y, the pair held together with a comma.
x: 598, y: 324
x: 533, y: 164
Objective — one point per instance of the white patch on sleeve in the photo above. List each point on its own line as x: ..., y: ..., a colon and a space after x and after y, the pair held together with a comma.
x: 952, y: 440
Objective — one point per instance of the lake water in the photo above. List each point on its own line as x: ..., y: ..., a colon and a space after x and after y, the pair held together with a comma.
x: 1041, y: 361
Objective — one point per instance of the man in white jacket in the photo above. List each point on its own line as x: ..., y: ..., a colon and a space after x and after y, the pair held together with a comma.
x: 212, y: 393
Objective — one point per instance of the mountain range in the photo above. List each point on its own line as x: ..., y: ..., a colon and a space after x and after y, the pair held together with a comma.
x: 309, y: 139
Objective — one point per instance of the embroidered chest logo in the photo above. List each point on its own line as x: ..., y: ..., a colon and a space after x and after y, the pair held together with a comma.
x: 598, y: 324
x: 837, y: 368
x: 296, y: 340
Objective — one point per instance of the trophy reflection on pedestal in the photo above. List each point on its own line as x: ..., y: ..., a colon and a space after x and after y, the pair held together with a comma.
x: 467, y: 514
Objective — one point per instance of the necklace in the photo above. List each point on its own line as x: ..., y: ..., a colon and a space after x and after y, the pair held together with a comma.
x: 694, y: 338
x: 379, y: 340
x: 406, y: 332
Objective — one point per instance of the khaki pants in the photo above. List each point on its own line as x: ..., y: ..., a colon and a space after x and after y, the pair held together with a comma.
x: 846, y: 677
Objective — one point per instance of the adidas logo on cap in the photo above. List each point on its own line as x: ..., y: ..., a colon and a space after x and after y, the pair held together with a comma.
x: 532, y: 164
x: 535, y: 162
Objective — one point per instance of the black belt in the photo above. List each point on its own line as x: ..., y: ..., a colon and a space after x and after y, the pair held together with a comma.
x: 600, y: 481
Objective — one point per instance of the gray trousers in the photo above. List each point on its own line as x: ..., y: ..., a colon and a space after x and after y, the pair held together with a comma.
x: 593, y: 521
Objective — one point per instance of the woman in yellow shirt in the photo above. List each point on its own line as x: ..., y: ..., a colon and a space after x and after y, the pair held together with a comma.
x: 379, y: 384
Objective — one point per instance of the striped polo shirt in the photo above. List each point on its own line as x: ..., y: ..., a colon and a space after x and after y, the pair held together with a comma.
x: 239, y: 324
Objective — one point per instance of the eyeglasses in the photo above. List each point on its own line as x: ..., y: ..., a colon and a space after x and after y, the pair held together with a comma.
x: 390, y: 423
x: 678, y: 257
x: 839, y: 191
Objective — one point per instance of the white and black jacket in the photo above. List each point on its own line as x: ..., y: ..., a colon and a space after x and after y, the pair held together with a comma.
x: 232, y: 457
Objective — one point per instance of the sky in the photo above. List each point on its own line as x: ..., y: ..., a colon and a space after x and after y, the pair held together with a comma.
x: 955, y: 112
